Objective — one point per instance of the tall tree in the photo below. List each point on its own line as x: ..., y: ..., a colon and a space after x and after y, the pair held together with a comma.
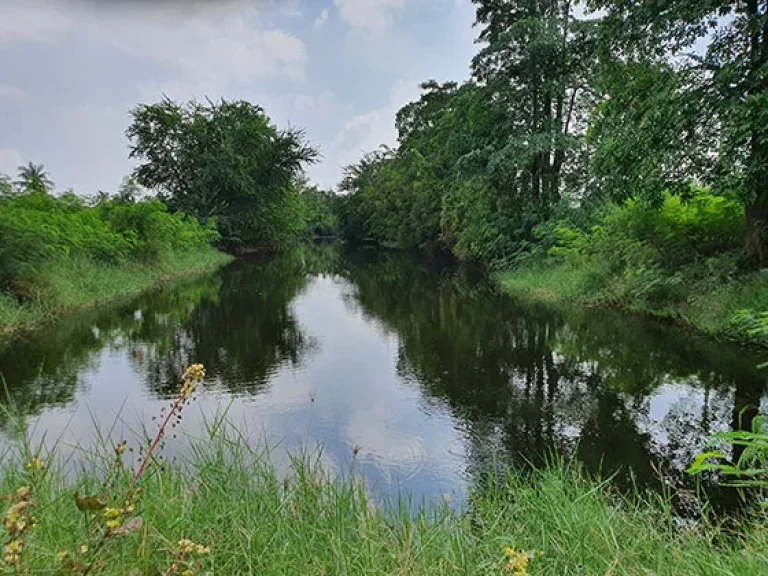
x: 536, y: 64
x: 223, y: 160
x: 34, y: 178
x: 720, y: 49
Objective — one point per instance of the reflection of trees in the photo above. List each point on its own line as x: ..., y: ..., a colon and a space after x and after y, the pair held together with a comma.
x: 527, y: 380
x: 43, y: 367
x: 243, y: 336
x: 239, y: 323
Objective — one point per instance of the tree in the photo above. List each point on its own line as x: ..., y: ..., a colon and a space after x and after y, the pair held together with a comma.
x: 319, y: 212
x: 34, y: 179
x: 129, y: 190
x: 223, y: 160
x: 536, y: 65
x: 720, y: 50
x: 6, y: 186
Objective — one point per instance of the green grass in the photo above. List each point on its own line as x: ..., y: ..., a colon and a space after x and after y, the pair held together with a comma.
x: 70, y: 284
x: 709, y: 306
x: 228, y: 496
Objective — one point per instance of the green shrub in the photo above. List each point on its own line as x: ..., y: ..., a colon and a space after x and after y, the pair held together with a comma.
x: 39, y: 228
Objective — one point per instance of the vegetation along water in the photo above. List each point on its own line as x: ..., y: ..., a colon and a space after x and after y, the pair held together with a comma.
x: 456, y: 384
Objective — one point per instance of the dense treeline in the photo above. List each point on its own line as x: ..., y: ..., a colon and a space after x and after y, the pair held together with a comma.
x: 567, y: 117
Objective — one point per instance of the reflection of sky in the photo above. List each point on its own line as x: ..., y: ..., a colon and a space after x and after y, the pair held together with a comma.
x: 345, y: 394
x: 356, y: 385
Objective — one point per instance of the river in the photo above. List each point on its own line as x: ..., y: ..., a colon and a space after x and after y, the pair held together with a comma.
x: 426, y: 372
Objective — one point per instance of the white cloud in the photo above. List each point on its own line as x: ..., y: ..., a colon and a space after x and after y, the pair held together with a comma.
x: 372, y: 15
x: 315, y: 104
x: 10, y: 160
x: 364, y: 133
x: 321, y: 20
x: 224, y: 49
x: 219, y: 42
x: 32, y: 21
x: 11, y: 92
x: 368, y: 131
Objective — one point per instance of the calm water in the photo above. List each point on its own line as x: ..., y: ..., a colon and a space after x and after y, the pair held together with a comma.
x: 428, y: 370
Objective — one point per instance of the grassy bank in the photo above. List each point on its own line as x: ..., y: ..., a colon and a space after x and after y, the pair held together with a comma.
x: 227, y: 498
x: 683, y: 260
x: 721, y: 309
x: 68, y: 284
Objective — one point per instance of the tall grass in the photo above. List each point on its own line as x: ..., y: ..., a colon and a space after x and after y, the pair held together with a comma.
x: 228, y: 497
x: 69, y: 283
x: 683, y: 260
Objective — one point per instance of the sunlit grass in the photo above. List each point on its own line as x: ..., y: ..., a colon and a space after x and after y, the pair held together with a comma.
x: 74, y: 283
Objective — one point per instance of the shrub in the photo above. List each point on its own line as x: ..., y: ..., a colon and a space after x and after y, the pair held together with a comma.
x: 37, y: 228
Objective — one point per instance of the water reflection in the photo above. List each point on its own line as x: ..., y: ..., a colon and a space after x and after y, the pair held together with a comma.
x: 427, y: 368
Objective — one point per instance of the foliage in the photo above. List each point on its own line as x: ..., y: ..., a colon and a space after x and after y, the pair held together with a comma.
x: 749, y: 467
x: 36, y: 229
x: 682, y: 259
x: 704, y: 115
x: 635, y: 101
x: 224, y: 161
x: 33, y: 178
x: 319, y: 211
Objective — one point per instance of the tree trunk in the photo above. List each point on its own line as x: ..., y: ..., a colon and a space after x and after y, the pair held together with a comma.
x: 757, y: 230
x: 757, y: 207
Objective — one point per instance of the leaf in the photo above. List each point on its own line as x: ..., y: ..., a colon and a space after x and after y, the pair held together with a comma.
x: 89, y: 503
x: 133, y: 525
x: 700, y: 464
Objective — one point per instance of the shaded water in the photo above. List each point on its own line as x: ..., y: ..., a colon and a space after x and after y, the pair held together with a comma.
x: 429, y: 371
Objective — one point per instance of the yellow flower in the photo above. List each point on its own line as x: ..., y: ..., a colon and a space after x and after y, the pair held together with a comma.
x: 35, y: 464
x: 83, y: 549
x: 24, y: 493
x: 121, y: 448
x: 111, y: 513
x: 129, y: 509
x: 17, y: 508
x: 11, y: 559
x: 187, y: 546
x: 14, y: 547
x: 62, y: 555
x: 187, y: 389
x: 202, y: 550
x: 517, y: 562
x: 194, y: 373
x: 112, y: 524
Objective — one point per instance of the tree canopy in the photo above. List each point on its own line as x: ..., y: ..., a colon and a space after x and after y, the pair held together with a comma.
x: 632, y: 100
x: 223, y: 161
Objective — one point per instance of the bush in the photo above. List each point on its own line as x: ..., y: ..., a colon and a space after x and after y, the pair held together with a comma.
x: 38, y: 228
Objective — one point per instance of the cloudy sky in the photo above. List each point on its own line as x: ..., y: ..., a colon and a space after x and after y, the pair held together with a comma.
x: 70, y: 70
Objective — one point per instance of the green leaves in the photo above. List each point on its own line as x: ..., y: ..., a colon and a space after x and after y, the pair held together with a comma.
x: 751, y: 467
x: 223, y: 160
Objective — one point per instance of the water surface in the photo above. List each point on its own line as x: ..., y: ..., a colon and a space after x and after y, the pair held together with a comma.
x: 427, y: 370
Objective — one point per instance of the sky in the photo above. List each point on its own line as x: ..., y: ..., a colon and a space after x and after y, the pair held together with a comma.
x: 71, y: 70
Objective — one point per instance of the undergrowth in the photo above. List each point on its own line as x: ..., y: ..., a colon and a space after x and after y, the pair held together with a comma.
x: 71, y: 283
x: 682, y: 260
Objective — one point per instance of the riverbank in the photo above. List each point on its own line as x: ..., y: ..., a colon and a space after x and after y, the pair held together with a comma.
x: 75, y: 283
x: 732, y: 309
x: 233, y: 514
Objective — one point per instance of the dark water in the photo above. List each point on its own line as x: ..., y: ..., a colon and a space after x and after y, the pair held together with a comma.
x: 429, y: 371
